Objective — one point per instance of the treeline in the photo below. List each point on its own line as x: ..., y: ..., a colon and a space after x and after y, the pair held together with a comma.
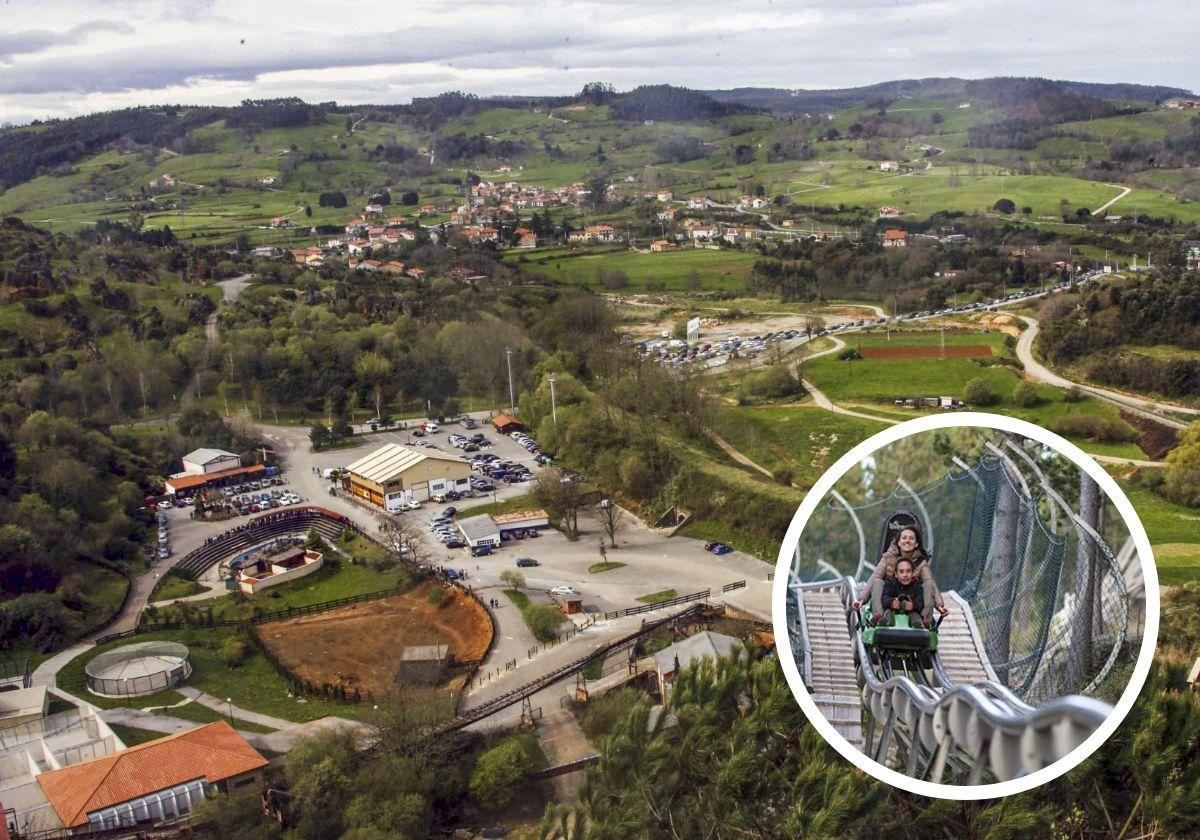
x: 808, y: 269
x: 667, y: 102
x: 462, y: 146
x: 1031, y: 110
x: 1161, y: 309
x: 26, y: 153
x: 285, y: 112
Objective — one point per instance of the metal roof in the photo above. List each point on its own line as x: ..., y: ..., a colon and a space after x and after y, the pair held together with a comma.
x: 390, y: 460
x: 207, y: 456
x: 479, y: 527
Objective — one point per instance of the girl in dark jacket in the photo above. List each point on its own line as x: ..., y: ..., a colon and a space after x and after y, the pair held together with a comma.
x: 907, y: 545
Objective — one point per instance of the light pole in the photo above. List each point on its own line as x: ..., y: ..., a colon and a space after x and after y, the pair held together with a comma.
x: 229, y: 703
x: 512, y: 398
x: 553, y: 403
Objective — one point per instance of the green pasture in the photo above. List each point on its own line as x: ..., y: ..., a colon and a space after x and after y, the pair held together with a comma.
x: 1174, y: 533
x: 714, y: 269
x: 803, y: 440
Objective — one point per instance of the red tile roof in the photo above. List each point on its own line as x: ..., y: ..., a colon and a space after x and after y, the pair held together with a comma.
x: 187, y: 482
x: 213, y: 751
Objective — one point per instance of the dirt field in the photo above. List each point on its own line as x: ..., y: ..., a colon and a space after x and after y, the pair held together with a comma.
x: 951, y: 351
x: 359, y: 646
x: 1155, y: 439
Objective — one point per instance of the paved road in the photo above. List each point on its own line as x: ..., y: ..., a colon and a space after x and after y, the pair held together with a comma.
x: 1138, y: 405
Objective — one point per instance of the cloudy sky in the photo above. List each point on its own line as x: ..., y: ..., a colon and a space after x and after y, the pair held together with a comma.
x: 67, y: 58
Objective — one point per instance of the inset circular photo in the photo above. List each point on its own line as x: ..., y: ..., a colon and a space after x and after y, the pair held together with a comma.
x: 966, y: 606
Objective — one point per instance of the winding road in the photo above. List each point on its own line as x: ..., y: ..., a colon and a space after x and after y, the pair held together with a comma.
x: 1138, y: 405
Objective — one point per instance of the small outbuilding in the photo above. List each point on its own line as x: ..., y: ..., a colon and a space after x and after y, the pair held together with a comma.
x: 479, y: 531
x: 423, y: 664
x: 506, y: 424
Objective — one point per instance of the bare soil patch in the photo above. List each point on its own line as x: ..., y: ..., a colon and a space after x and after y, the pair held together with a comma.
x: 359, y: 646
x: 957, y: 351
x: 1155, y: 439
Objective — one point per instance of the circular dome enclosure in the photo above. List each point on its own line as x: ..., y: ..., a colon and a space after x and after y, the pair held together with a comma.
x: 138, y: 669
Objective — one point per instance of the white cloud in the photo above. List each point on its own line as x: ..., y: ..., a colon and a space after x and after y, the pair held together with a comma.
x: 219, y: 51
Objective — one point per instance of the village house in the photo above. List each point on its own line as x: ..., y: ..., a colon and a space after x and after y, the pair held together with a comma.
x: 393, y: 267
x: 704, y: 232
x: 889, y: 166
x: 358, y: 246
x: 667, y: 214
x: 416, y: 273
x: 665, y: 195
x: 528, y: 239
x: 268, y: 181
x: 428, y: 209
x: 601, y: 233
x: 699, y: 202
x: 893, y: 238
x: 660, y: 245
x: 887, y: 211
x: 759, y: 203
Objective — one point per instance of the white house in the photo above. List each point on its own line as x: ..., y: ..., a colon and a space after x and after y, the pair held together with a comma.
x: 204, y: 461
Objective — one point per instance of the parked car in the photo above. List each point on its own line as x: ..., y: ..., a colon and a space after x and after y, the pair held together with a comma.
x: 431, y: 428
x: 411, y: 504
x: 438, y: 497
x: 481, y: 551
x: 452, y: 574
x: 562, y: 590
x: 526, y: 562
x: 721, y: 548
x: 449, y: 511
x: 455, y: 543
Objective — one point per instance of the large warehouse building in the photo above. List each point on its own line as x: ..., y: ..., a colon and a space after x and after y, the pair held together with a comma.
x: 394, y: 474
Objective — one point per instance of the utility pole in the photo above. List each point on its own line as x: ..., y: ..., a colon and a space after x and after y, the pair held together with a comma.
x: 512, y: 398
x: 553, y: 403
x: 942, y: 329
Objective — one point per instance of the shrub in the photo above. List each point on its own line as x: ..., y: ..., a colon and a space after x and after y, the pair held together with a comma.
x: 1025, y: 395
x: 850, y: 354
x: 435, y: 594
x: 1005, y: 205
x: 500, y: 772
x: 978, y: 392
x: 1095, y: 428
x: 784, y: 475
x: 233, y: 652
x: 511, y: 579
x: 543, y: 621
x: 607, y: 710
x: 1073, y: 395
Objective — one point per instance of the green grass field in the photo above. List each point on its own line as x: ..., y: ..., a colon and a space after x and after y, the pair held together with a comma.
x: 326, y: 584
x: 1174, y: 533
x: 804, y: 440
x: 254, y: 685
x: 676, y: 270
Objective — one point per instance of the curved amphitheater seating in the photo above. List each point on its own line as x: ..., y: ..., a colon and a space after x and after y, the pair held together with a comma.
x: 262, y: 529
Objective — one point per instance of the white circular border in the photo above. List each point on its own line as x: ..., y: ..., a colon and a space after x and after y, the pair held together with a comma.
x: 817, y: 494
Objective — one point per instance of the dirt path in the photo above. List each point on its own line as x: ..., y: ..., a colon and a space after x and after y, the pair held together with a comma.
x: 728, y: 449
x: 563, y: 740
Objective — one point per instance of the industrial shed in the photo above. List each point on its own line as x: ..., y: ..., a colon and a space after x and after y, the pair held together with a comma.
x: 480, y: 530
x: 399, y: 473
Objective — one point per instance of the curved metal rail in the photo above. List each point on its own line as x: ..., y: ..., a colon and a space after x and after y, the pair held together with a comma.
x: 931, y: 727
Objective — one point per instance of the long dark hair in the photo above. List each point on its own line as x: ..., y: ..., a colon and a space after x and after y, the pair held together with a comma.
x: 919, y: 551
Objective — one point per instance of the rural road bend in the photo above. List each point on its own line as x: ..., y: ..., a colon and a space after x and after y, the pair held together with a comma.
x: 1138, y: 405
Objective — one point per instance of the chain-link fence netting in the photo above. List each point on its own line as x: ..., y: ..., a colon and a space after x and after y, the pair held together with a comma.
x: 137, y: 669
x: 1051, y: 606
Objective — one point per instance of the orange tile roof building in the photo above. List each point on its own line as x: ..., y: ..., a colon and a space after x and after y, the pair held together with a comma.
x: 156, y: 781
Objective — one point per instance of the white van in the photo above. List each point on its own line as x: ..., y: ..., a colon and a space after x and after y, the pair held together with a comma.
x: 431, y: 428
